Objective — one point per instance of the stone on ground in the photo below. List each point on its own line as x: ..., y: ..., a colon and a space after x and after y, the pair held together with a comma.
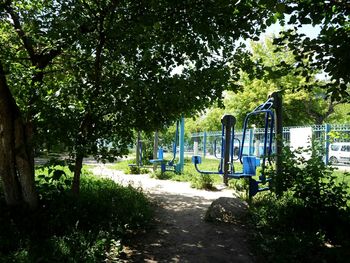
x: 226, y: 210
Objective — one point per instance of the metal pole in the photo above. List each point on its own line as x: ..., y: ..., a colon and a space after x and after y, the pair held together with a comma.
x: 277, y: 104
x: 180, y: 165
x: 228, y: 122
x: 195, y: 145
x: 138, y: 157
x: 155, y: 149
x: 204, y: 144
x: 326, y: 142
x: 251, y: 142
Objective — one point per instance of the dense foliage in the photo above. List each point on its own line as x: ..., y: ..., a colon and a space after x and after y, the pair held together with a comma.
x: 306, y: 217
x: 300, y: 106
x: 83, y: 73
x: 66, y: 229
x: 328, y: 51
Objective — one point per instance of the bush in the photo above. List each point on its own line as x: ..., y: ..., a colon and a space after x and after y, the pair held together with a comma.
x: 240, y: 185
x: 284, y: 230
x: 307, y: 209
x: 202, y: 181
x: 64, y: 228
x: 134, y: 169
x: 162, y: 175
x: 310, y: 180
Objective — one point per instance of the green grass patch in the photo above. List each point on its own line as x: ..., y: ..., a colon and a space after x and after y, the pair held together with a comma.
x: 189, y: 174
x: 129, y: 167
x: 123, y: 165
x: 90, y: 228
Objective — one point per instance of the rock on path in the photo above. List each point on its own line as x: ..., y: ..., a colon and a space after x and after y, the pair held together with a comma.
x: 179, y: 233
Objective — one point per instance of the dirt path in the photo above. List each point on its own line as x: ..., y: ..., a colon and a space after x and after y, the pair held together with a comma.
x: 179, y: 233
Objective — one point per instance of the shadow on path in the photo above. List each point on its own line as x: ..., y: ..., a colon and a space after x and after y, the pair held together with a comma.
x: 180, y: 234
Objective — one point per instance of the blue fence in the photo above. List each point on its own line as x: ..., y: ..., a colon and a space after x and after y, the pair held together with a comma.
x: 325, y: 134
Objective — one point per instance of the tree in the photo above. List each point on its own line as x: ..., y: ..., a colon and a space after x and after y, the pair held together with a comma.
x: 328, y: 52
x: 114, y: 64
x: 25, y: 45
x: 341, y: 114
x: 300, y: 107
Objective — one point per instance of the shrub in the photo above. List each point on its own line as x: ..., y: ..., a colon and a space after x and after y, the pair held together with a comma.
x: 64, y: 228
x: 310, y: 180
x: 202, y: 181
x: 133, y: 169
x: 162, y: 175
x: 240, y: 185
x: 307, y: 209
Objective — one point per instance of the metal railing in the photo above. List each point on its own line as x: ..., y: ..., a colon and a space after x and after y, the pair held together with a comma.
x: 325, y: 134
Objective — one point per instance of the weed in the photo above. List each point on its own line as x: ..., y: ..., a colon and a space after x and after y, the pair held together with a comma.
x: 133, y: 169
x: 202, y: 181
x: 162, y: 175
x: 64, y: 228
x: 307, y: 209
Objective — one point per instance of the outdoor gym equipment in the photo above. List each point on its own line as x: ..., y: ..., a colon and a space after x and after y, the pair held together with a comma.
x: 226, y: 166
x: 179, y: 140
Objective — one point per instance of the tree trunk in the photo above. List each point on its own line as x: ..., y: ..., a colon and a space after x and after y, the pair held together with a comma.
x: 138, y: 155
x: 25, y: 163
x: 77, y: 173
x: 155, y: 149
x: 16, y: 165
x: 10, y: 183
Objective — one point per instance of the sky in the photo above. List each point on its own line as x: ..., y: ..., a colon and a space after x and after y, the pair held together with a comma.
x: 308, y: 30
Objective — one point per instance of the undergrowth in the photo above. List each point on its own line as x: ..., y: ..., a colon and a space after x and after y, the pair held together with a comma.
x: 69, y: 229
x: 306, y: 218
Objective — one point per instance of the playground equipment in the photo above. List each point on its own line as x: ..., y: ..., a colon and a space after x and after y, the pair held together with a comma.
x: 179, y: 140
x: 271, y: 109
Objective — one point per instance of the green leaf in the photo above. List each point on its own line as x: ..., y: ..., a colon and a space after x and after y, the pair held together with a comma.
x: 57, y: 174
x: 292, y: 19
x: 280, y: 8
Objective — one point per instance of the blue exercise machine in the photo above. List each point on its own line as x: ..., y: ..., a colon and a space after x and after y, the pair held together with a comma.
x: 179, y: 140
x: 250, y: 163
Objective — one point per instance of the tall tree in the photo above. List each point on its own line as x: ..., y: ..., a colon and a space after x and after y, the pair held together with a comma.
x: 115, y: 64
x: 300, y: 106
x: 328, y: 52
x: 27, y: 52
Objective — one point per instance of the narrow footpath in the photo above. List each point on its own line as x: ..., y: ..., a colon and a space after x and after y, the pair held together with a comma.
x: 179, y: 232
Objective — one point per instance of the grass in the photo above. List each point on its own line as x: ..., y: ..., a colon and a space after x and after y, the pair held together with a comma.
x: 189, y: 175
x: 123, y: 165
x: 306, y: 222
x: 284, y: 230
x: 90, y: 228
x: 342, y: 176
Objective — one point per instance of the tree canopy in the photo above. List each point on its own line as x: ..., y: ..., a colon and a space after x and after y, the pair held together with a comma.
x: 87, y: 71
x: 300, y: 106
x: 328, y: 52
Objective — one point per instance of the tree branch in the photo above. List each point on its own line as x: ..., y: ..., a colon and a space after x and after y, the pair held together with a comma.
x: 27, y: 42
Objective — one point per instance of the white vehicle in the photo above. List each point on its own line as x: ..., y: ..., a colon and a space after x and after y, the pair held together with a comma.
x: 339, y: 152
